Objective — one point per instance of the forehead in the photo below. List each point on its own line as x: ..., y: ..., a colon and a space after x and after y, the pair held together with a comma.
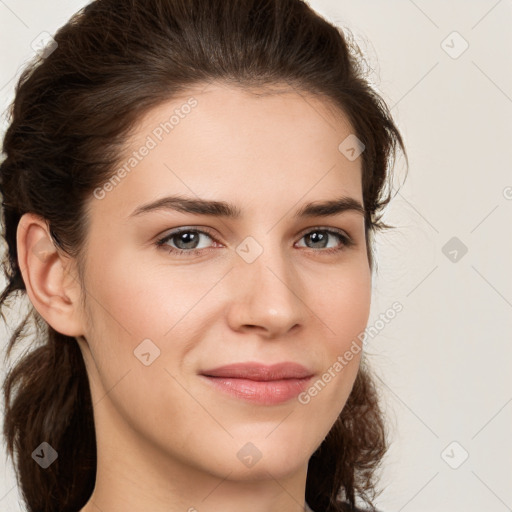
x: 261, y: 146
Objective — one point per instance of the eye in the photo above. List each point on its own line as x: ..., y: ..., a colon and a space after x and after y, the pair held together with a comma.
x: 319, y: 238
x: 187, y: 241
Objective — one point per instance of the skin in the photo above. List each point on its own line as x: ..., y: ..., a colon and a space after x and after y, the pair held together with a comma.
x: 167, y: 441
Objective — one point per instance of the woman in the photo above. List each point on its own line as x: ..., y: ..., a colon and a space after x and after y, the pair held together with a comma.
x: 190, y: 190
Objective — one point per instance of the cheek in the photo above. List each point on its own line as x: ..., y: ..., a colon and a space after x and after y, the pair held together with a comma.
x: 343, y: 305
x: 146, y: 301
x: 157, y: 309
x: 343, y: 309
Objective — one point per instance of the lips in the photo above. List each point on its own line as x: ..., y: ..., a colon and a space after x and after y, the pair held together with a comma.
x: 258, y: 383
x: 260, y: 372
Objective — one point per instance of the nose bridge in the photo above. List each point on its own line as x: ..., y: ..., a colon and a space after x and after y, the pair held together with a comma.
x: 269, y: 290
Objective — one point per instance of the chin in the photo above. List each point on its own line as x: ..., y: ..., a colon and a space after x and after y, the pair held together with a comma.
x: 277, y: 455
x: 277, y: 465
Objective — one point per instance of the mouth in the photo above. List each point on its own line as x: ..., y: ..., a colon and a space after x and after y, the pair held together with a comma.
x: 258, y: 383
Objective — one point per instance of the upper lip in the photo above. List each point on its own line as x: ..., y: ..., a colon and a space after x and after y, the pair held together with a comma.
x: 260, y: 372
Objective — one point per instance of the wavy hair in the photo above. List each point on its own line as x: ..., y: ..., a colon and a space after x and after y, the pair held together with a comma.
x: 73, y: 109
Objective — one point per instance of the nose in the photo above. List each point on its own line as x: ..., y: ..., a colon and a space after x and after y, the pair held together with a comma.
x: 267, y: 296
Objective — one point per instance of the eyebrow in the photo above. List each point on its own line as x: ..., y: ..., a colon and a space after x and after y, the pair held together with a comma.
x: 231, y: 211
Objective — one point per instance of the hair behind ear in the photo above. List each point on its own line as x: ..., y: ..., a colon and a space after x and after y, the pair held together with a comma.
x: 52, y: 404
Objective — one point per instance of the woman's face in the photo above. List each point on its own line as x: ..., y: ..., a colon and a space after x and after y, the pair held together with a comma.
x: 267, y: 286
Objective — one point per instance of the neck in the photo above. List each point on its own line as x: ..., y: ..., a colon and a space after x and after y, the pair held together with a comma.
x: 134, y: 475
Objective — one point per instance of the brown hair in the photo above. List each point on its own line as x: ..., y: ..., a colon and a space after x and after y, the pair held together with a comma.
x: 72, y: 112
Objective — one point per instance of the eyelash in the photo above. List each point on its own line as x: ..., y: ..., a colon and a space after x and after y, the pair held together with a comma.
x: 346, y: 241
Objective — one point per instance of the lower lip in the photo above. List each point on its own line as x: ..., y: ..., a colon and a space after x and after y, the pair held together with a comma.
x: 260, y: 392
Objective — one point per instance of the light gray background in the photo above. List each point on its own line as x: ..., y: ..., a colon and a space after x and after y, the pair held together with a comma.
x: 445, y: 360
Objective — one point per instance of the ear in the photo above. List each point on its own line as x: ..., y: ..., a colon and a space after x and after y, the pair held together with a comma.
x: 49, y: 276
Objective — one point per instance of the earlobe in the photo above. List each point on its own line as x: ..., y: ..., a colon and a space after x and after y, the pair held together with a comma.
x: 53, y: 291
